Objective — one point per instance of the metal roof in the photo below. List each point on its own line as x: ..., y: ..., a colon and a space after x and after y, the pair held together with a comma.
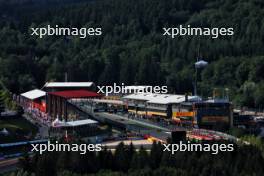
x: 118, y: 102
x: 161, y: 98
x: 68, y: 84
x: 173, y: 99
x: 58, y: 123
x: 136, y: 87
x: 34, y: 94
x: 81, y: 122
x: 141, y: 96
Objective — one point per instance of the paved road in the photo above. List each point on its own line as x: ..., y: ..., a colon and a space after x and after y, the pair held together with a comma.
x: 8, y: 113
x: 8, y: 165
x: 115, y: 116
x: 43, y: 132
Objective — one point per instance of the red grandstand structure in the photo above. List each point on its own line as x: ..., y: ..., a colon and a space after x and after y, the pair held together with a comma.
x: 59, y: 105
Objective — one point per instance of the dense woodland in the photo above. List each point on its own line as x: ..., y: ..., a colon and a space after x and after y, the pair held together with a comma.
x: 244, y: 161
x: 132, y: 49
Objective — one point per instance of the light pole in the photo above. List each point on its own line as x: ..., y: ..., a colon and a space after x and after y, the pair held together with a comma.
x: 198, y: 65
x: 227, y: 94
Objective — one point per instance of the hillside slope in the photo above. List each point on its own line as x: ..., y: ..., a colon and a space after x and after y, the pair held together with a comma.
x: 132, y: 49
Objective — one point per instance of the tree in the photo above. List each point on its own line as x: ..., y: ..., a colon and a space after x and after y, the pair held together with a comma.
x: 2, y: 103
x: 25, y: 163
x: 47, y: 165
x: 121, y: 161
x: 248, y: 99
x: 105, y: 158
x: 140, y: 160
x: 155, y: 155
x: 110, y: 74
x: 259, y: 96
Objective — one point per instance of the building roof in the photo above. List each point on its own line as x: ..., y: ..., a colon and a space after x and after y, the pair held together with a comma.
x: 161, y: 98
x: 58, y: 123
x: 81, y: 122
x: 140, y: 96
x: 116, y: 102
x: 68, y: 84
x: 75, y: 94
x: 136, y: 88
x: 218, y: 100
x: 173, y: 99
x: 34, y: 94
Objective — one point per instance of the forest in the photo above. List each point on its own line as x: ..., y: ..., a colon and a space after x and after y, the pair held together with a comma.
x: 244, y: 161
x: 132, y: 49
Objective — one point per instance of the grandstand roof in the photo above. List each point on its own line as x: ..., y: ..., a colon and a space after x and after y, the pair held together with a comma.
x: 68, y: 94
x: 68, y: 84
x: 117, y: 102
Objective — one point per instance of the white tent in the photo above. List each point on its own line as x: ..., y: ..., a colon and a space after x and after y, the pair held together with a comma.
x: 34, y: 94
x: 200, y: 64
x: 57, y: 123
x: 4, y: 132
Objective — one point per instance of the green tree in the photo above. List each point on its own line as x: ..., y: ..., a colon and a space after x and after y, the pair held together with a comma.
x: 121, y: 160
x: 2, y: 103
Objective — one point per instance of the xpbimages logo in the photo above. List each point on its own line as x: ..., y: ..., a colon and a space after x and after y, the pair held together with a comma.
x: 65, y: 31
x: 197, y: 31
x: 58, y: 147
x: 122, y: 89
x: 198, y: 147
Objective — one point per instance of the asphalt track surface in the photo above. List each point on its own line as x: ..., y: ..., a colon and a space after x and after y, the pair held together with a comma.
x: 8, y: 165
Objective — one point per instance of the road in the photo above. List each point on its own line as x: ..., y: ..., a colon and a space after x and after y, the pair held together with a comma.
x: 43, y: 129
x: 126, y: 120
x: 120, y: 118
x: 145, y: 124
x: 8, y: 114
x: 8, y: 165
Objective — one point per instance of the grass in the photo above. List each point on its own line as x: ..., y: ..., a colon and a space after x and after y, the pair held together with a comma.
x: 19, y: 128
